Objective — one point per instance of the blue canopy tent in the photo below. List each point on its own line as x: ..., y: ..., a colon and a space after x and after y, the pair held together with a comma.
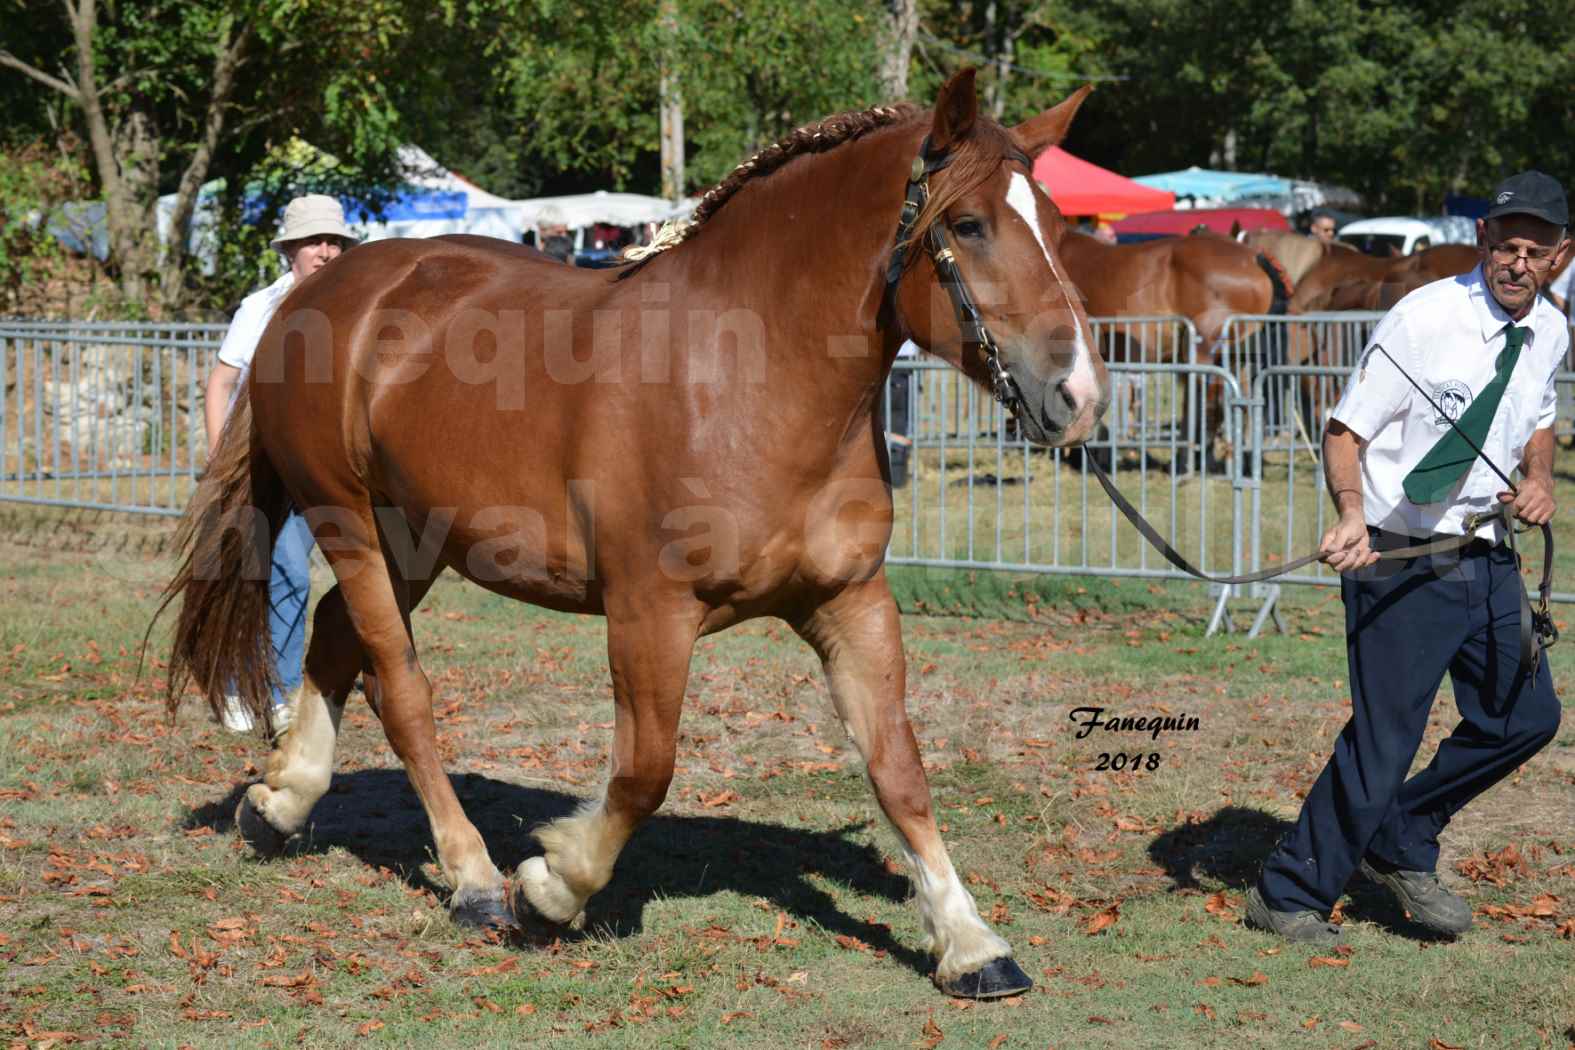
x: 1203, y: 184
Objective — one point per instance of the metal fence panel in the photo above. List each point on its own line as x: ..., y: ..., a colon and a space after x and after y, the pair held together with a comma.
x: 109, y: 416
x: 103, y: 416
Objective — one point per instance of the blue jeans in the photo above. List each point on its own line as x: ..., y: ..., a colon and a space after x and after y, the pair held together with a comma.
x: 289, y: 589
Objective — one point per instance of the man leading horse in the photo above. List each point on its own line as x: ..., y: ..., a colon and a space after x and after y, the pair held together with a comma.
x: 1457, y: 379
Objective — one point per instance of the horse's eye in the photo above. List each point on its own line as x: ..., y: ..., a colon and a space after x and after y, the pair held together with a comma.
x: 968, y: 228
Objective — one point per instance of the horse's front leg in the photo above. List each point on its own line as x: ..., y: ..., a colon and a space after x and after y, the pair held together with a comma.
x: 859, y: 642
x: 648, y: 653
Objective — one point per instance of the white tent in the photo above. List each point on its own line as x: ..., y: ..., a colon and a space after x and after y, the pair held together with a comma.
x: 435, y: 201
x: 437, y: 207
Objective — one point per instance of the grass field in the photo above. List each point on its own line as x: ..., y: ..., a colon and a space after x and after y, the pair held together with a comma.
x: 760, y: 908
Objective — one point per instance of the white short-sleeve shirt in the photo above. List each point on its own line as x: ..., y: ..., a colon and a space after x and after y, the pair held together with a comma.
x: 1447, y: 336
x: 253, y: 315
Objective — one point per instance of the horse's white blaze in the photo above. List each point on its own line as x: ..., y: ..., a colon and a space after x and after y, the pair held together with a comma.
x: 1082, y: 382
x: 961, y: 941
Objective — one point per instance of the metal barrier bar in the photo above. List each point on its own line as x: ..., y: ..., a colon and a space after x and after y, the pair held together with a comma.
x: 108, y: 416
x: 102, y: 416
x: 1061, y: 522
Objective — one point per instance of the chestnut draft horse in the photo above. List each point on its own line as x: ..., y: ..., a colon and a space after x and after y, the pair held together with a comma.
x: 679, y: 445
x: 1297, y: 252
x: 1205, y: 278
x: 1355, y: 281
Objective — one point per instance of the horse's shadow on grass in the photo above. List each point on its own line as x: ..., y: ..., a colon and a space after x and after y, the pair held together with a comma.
x: 375, y: 815
x: 1231, y: 846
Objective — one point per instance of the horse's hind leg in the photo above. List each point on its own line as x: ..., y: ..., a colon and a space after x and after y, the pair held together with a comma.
x: 300, y: 766
x: 301, y: 763
x: 378, y: 600
x: 648, y: 654
x: 859, y: 643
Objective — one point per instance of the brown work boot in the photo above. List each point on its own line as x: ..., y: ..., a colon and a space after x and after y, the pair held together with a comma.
x: 1424, y: 898
x: 1299, y: 927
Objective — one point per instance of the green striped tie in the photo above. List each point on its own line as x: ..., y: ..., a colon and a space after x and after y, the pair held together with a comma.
x: 1447, y: 462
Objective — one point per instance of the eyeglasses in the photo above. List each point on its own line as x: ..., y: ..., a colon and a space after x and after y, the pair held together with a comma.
x: 1534, y: 258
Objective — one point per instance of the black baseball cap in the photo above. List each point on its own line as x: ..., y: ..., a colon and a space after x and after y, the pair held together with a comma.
x: 1531, y: 193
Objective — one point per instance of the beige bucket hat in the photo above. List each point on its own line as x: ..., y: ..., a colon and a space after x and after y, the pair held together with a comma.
x: 313, y: 215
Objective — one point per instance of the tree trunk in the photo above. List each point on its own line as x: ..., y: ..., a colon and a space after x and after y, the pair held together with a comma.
x: 1001, y: 40
x: 229, y: 53
x: 671, y: 109
x: 898, y: 50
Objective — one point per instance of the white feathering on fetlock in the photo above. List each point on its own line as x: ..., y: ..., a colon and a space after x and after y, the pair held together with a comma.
x: 578, y: 861
x: 956, y: 935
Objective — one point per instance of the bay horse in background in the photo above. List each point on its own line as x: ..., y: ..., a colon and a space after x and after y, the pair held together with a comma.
x: 1357, y: 281
x: 1204, y: 277
x: 706, y: 452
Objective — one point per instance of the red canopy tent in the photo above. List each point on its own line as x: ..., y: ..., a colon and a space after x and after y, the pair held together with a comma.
x: 1081, y: 188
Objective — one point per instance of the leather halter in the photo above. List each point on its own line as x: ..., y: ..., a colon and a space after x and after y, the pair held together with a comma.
x: 928, y: 162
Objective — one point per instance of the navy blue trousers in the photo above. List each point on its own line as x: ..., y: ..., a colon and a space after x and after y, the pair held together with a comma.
x: 1406, y: 624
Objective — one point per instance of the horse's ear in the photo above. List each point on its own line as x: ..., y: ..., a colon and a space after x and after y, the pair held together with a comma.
x: 1235, y: 229
x: 1050, y: 127
x: 956, y: 109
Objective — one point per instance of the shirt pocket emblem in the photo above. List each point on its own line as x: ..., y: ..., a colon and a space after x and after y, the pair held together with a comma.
x: 1452, y: 398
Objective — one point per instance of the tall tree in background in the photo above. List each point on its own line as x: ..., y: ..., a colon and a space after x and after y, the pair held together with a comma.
x: 171, y: 93
x: 1404, y: 102
x: 1030, y: 53
x: 896, y: 53
x: 586, y: 91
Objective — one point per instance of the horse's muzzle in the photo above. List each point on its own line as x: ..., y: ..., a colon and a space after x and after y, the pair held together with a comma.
x: 1053, y: 413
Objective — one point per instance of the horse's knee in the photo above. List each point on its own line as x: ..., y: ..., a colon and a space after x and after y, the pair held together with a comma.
x: 901, y: 787
x: 636, y: 796
x: 407, y: 717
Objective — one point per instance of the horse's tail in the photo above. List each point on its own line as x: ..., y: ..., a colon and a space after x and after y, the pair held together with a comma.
x: 1279, y: 280
x: 226, y: 539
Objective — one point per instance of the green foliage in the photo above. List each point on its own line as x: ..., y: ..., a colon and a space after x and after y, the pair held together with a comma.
x: 34, y: 181
x: 1403, y: 102
x: 585, y: 81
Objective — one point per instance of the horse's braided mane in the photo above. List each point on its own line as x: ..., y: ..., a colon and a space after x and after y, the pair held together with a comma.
x: 811, y: 138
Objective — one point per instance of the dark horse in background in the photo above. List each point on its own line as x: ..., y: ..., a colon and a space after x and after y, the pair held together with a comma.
x: 1347, y: 281
x: 679, y: 446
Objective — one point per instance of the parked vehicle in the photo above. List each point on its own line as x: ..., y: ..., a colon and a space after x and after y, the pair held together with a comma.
x: 1405, y: 235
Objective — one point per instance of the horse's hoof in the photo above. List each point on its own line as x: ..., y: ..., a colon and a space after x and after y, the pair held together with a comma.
x: 264, y: 839
x: 996, y: 978
x: 485, y: 911
x: 530, y: 918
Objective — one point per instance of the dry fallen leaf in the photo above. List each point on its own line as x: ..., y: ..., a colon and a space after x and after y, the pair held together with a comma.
x: 1102, y: 920
x: 1436, y: 1043
x: 1258, y: 977
x: 932, y: 1033
x: 1327, y: 960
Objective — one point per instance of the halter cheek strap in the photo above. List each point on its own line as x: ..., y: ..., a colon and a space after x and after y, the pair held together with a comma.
x: 974, y: 332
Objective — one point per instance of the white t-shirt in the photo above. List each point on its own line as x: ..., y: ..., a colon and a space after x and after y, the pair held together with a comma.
x: 253, y: 315
x: 1447, y: 335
